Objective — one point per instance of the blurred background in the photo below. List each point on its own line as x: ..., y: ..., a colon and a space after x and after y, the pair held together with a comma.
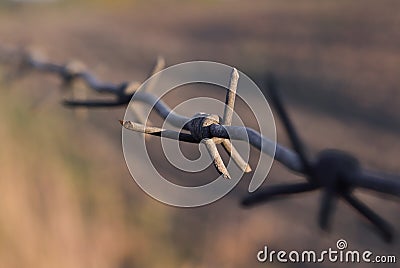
x: 67, y: 198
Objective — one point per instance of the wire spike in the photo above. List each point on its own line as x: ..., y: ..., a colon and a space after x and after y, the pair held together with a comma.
x: 326, y: 209
x: 230, y: 98
x: 234, y: 154
x: 385, y: 229
x: 294, y: 137
x: 218, y: 163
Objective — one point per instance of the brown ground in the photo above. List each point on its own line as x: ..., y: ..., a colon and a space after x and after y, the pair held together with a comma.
x: 67, y: 197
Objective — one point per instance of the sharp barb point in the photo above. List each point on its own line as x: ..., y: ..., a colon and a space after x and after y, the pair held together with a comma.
x: 217, y: 160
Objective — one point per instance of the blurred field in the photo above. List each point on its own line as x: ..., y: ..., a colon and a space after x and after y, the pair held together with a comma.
x: 67, y: 198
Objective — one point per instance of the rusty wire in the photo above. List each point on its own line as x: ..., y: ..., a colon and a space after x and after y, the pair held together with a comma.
x: 335, y: 172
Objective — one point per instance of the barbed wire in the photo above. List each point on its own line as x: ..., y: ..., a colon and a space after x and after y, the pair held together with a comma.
x: 334, y: 172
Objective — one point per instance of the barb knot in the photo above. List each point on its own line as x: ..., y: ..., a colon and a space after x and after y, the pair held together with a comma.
x: 199, y: 125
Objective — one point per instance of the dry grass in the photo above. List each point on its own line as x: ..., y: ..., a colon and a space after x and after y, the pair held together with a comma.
x: 67, y: 199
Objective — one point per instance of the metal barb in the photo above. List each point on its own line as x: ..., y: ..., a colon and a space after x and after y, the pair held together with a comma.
x: 334, y: 172
x: 219, y: 164
x: 230, y: 98
x: 281, y: 110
